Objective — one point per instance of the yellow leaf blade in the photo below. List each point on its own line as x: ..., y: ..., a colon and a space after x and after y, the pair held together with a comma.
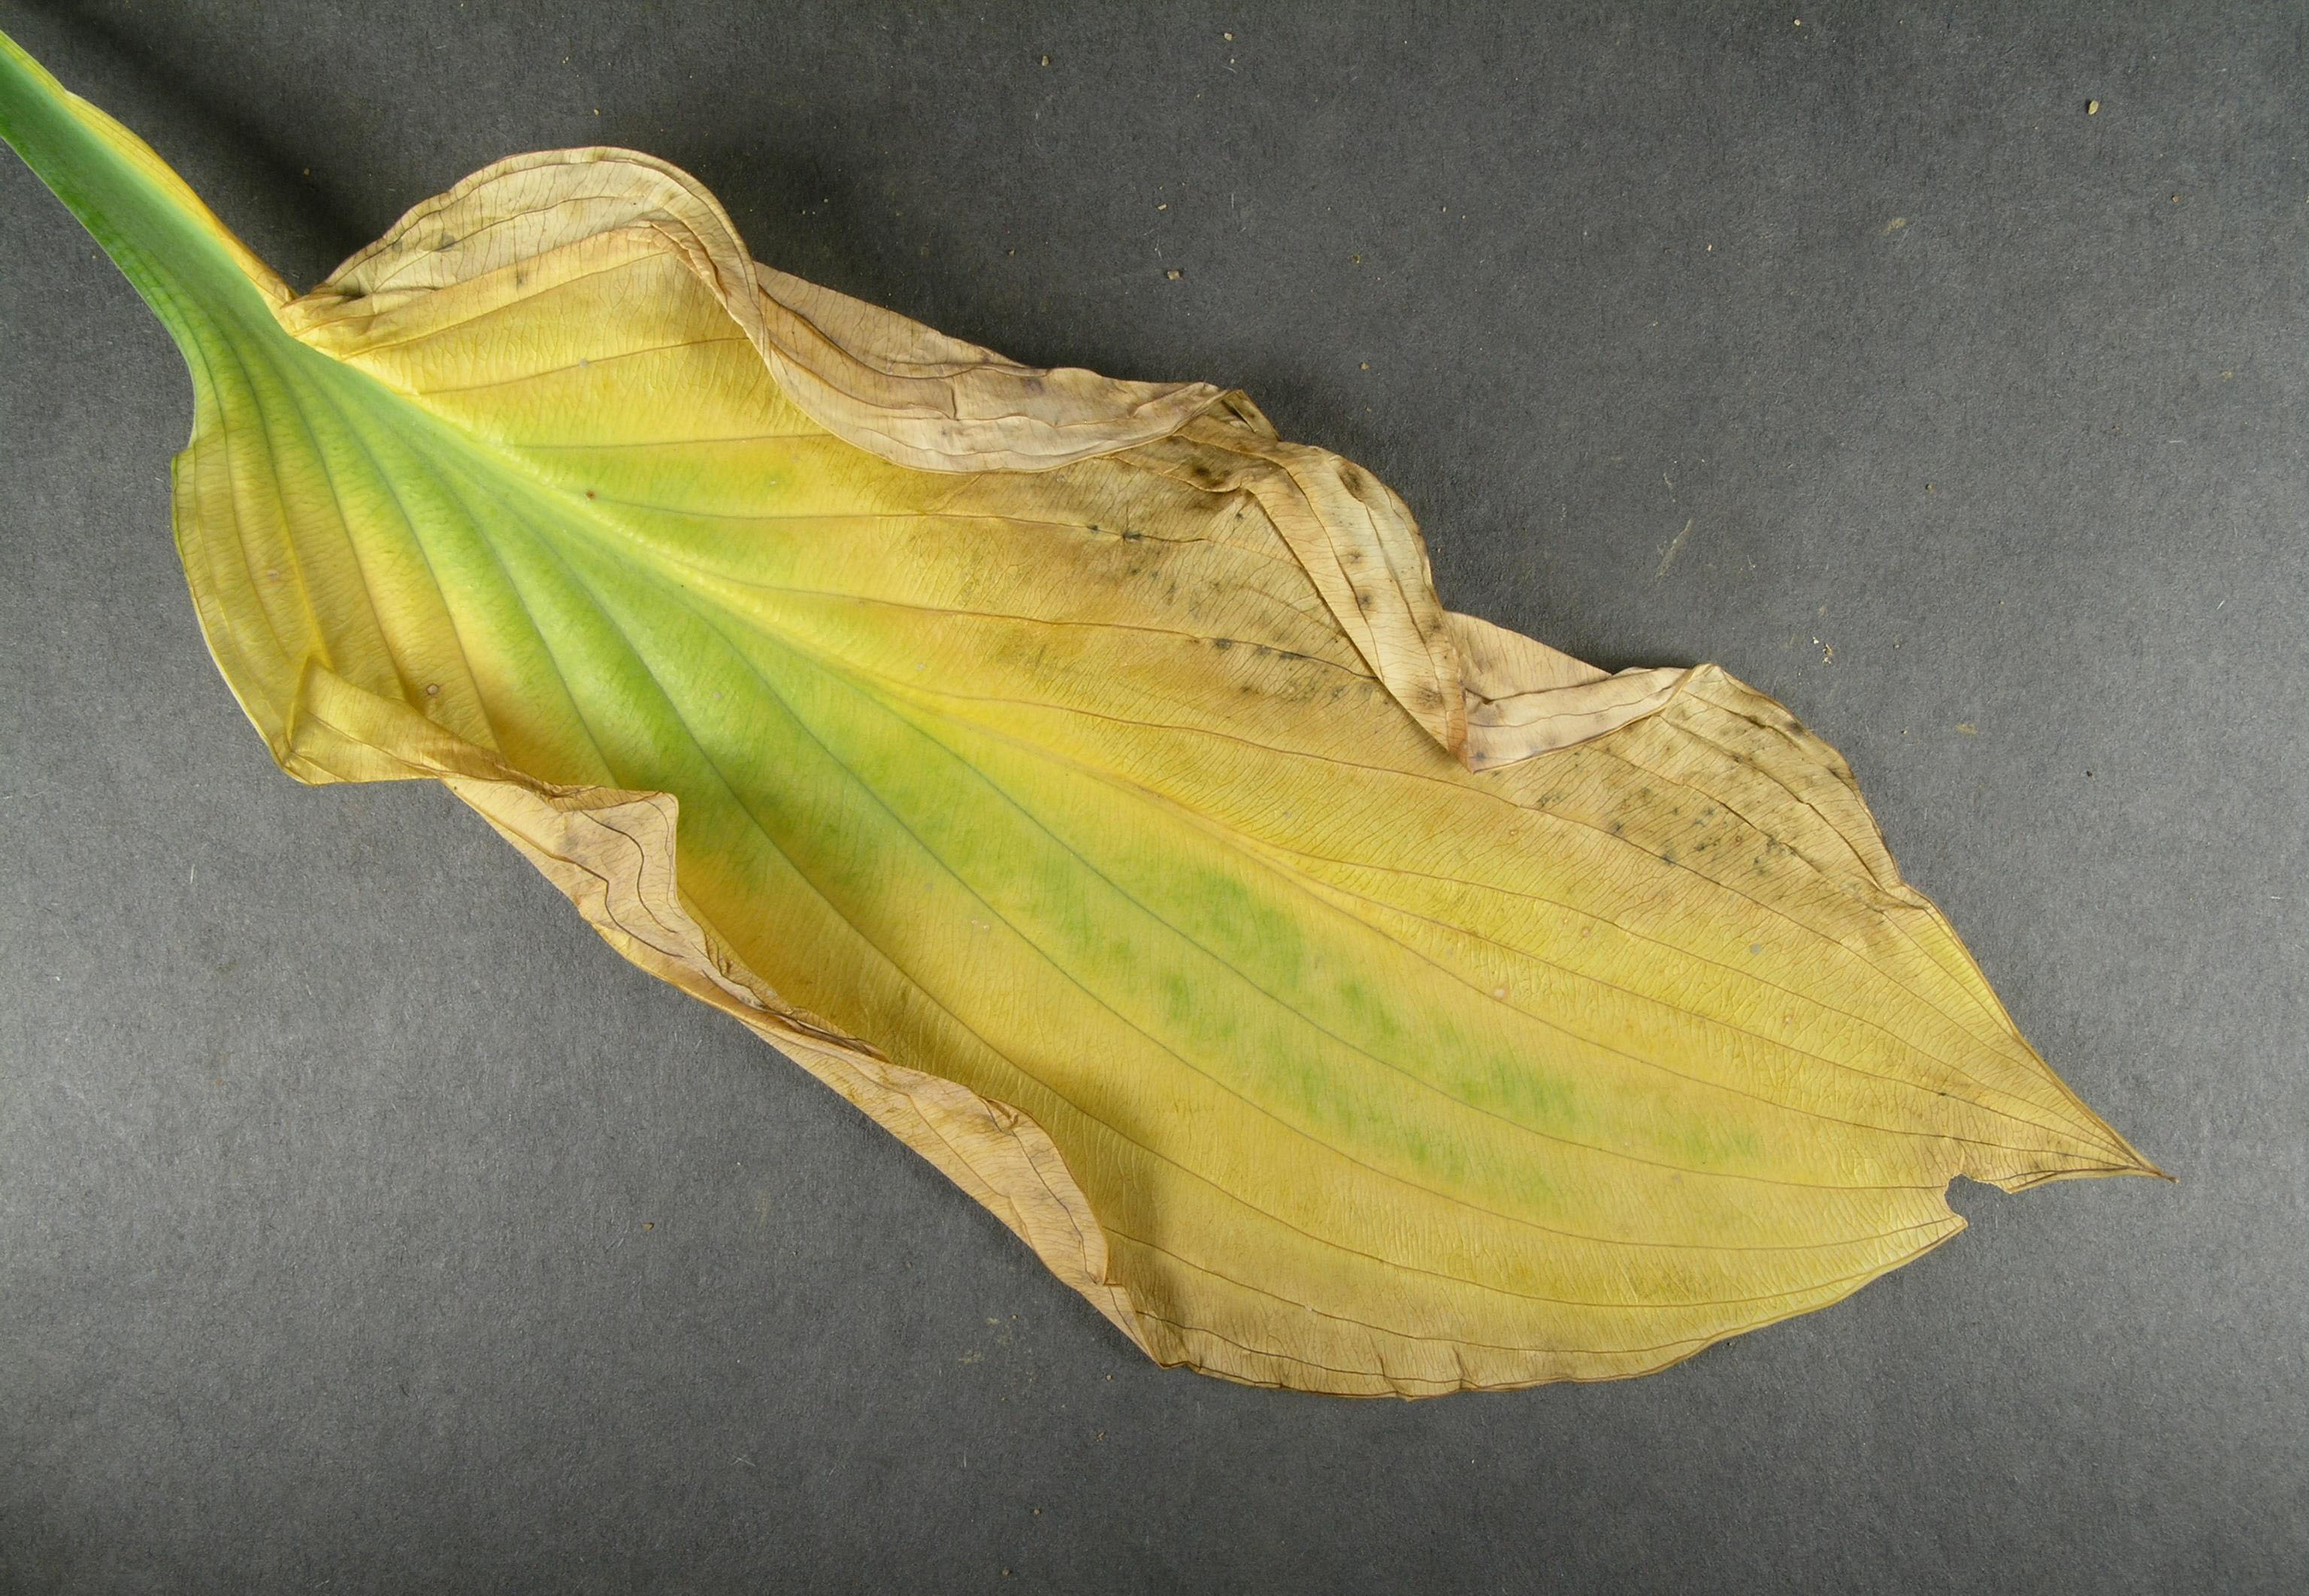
x: 1338, y: 992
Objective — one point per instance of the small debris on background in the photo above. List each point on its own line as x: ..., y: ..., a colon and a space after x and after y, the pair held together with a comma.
x: 1173, y: 274
x: 1675, y: 547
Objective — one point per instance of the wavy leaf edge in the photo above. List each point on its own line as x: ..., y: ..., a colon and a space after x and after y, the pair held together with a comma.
x: 919, y: 400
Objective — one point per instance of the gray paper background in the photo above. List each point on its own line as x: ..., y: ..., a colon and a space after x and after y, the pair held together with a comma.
x: 367, y: 1225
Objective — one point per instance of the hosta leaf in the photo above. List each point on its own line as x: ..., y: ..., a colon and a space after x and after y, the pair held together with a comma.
x: 1338, y: 992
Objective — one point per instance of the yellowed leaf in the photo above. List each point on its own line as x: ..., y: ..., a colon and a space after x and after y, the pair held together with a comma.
x: 1339, y: 992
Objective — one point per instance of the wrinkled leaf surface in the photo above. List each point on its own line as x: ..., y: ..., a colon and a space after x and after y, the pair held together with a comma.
x: 1338, y: 992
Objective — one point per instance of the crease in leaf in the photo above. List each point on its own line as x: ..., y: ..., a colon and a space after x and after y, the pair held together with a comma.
x: 1339, y: 992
